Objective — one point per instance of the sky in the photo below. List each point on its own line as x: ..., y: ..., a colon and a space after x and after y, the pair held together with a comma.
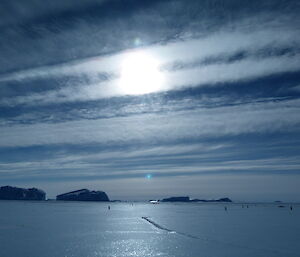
x: 146, y: 99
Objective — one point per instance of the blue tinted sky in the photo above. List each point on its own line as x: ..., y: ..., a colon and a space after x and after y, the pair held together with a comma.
x: 202, y: 95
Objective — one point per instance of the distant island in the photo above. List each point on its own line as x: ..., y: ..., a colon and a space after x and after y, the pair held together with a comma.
x: 83, y: 195
x: 16, y: 193
x: 187, y: 199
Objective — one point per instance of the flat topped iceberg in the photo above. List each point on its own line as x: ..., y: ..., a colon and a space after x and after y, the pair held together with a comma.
x: 16, y: 193
x: 83, y: 195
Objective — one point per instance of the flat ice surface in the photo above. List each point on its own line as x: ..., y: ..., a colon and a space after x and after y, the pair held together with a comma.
x: 84, y: 229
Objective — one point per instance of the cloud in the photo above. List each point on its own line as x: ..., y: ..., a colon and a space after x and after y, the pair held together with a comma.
x: 188, y: 50
x: 98, y: 77
x: 231, y: 120
x: 164, y: 160
x: 296, y: 88
x: 228, y: 108
x: 208, y: 75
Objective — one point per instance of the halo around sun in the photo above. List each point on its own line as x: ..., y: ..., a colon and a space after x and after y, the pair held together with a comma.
x: 140, y: 74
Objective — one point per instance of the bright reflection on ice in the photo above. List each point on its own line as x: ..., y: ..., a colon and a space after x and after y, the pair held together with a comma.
x: 140, y: 74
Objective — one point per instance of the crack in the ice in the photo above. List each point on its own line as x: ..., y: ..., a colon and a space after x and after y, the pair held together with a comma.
x: 168, y: 230
x: 210, y: 240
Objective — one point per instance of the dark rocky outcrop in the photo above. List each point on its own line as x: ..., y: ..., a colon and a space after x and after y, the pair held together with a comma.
x: 187, y: 199
x: 15, y: 193
x: 83, y: 195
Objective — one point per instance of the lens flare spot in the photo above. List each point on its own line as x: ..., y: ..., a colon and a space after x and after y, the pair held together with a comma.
x: 148, y: 176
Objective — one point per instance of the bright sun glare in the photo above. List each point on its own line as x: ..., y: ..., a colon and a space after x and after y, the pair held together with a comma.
x: 140, y: 74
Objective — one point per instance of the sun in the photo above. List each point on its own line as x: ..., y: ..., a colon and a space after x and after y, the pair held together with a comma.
x: 140, y: 74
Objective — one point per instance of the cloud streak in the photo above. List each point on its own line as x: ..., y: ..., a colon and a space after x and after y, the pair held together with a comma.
x: 101, y: 74
x: 234, y: 120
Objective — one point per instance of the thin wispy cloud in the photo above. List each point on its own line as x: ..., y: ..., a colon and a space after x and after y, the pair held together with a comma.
x: 251, y: 118
x: 102, y: 75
